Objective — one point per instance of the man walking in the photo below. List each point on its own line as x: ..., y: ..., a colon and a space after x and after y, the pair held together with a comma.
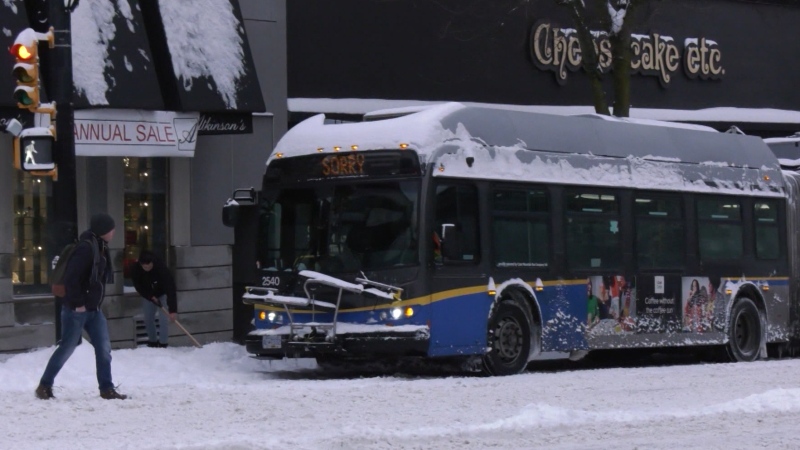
x: 154, y: 282
x: 87, y: 272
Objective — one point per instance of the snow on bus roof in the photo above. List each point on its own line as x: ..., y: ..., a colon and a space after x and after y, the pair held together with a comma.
x: 580, y: 135
x: 388, y: 113
x: 422, y: 131
x: 425, y: 127
x: 513, y: 144
x: 657, y: 123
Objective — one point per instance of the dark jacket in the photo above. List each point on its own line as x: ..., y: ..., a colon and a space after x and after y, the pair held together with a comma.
x: 155, y: 283
x: 87, y: 272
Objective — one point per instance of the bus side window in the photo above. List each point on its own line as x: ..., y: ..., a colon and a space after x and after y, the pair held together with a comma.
x: 592, y: 232
x: 719, y: 228
x: 767, y: 230
x: 456, y: 223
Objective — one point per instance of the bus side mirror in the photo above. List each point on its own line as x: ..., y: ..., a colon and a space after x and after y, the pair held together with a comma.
x: 230, y: 213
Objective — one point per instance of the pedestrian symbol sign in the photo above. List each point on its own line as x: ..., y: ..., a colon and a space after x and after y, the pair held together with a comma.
x: 30, y: 149
x: 34, y: 150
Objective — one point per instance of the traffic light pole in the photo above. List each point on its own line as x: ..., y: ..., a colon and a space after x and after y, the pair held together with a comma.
x: 63, y: 225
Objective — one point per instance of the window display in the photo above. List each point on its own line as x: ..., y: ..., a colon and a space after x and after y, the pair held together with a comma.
x: 32, y: 202
x: 145, y: 210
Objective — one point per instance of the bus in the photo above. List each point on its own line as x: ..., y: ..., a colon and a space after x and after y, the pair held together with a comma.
x: 497, y: 237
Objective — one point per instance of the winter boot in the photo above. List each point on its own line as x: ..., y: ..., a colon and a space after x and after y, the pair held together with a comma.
x: 152, y: 344
x: 44, y: 392
x: 160, y: 345
x: 112, y: 394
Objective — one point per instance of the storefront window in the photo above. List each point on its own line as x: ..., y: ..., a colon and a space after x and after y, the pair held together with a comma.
x: 32, y: 199
x: 145, y: 210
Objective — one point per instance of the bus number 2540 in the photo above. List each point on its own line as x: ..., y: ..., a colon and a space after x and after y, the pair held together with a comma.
x: 270, y: 281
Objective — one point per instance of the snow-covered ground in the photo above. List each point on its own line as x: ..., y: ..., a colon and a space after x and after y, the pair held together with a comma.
x: 219, y: 398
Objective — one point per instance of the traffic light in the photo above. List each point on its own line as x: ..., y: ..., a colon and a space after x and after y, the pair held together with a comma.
x: 33, y: 150
x: 26, y: 70
x: 33, y: 147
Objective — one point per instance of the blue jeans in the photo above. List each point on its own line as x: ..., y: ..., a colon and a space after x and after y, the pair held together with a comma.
x: 72, y: 323
x: 150, y: 312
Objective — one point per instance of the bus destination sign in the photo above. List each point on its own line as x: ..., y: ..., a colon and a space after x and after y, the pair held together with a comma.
x: 343, y: 165
x: 362, y: 164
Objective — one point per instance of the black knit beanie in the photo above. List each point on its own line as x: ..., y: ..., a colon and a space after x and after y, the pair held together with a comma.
x: 101, y: 224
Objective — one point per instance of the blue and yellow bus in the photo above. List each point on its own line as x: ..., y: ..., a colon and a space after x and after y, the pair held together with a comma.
x: 496, y: 236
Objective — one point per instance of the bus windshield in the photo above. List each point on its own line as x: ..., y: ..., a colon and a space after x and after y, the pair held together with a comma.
x: 337, y: 228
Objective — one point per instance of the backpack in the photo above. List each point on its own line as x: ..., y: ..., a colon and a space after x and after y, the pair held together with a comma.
x: 59, y: 268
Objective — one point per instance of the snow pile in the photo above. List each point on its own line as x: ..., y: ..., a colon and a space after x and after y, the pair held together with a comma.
x: 219, y: 398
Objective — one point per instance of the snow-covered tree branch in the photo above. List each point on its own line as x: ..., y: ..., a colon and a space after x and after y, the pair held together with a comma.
x: 615, y: 17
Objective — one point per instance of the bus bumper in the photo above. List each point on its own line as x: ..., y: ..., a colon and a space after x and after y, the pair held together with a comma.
x: 383, y: 344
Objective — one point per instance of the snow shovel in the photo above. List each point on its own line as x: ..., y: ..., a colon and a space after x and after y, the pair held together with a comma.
x: 196, y: 344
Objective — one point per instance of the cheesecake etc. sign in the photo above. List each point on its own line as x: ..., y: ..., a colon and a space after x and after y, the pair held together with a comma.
x: 557, y: 49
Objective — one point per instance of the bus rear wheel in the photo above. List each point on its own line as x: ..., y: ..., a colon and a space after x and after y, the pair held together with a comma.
x: 509, y: 338
x: 744, y: 332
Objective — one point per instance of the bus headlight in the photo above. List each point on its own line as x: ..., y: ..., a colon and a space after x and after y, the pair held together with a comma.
x: 397, y: 313
x: 272, y: 316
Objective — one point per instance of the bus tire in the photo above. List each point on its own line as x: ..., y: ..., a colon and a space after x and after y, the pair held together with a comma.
x: 744, y: 332
x: 509, y: 338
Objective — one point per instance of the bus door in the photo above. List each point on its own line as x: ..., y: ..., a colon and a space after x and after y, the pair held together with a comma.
x: 459, y: 300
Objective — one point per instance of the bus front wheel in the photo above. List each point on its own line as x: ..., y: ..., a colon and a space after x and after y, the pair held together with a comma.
x: 744, y: 332
x: 509, y: 338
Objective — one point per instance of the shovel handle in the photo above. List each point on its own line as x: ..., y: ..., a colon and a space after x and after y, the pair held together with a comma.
x: 196, y: 344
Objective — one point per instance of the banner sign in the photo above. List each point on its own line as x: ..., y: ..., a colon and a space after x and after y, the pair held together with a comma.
x: 211, y: 124
x: 135, y: 133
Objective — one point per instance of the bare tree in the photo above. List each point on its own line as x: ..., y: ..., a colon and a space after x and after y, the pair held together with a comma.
x: 617, y: 17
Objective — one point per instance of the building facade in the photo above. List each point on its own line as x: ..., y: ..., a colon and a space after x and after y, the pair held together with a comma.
x: 715, y: 62
x: 176, y: 104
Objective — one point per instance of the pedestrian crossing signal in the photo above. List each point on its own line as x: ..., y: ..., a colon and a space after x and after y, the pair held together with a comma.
x: 33, y: 150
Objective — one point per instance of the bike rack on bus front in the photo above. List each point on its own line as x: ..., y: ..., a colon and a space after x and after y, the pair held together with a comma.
x: 334, y: 283
x: 269, y: 296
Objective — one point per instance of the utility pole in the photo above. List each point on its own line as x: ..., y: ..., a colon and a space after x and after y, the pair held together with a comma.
x: 63, y: 225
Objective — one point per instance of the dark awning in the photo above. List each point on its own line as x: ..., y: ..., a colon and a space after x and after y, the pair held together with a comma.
x: 112, y: 61
x: 203, y: 55
x: 148, y: 55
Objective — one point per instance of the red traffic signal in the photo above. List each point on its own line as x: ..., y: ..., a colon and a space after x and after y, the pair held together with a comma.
x: 23, y: 52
